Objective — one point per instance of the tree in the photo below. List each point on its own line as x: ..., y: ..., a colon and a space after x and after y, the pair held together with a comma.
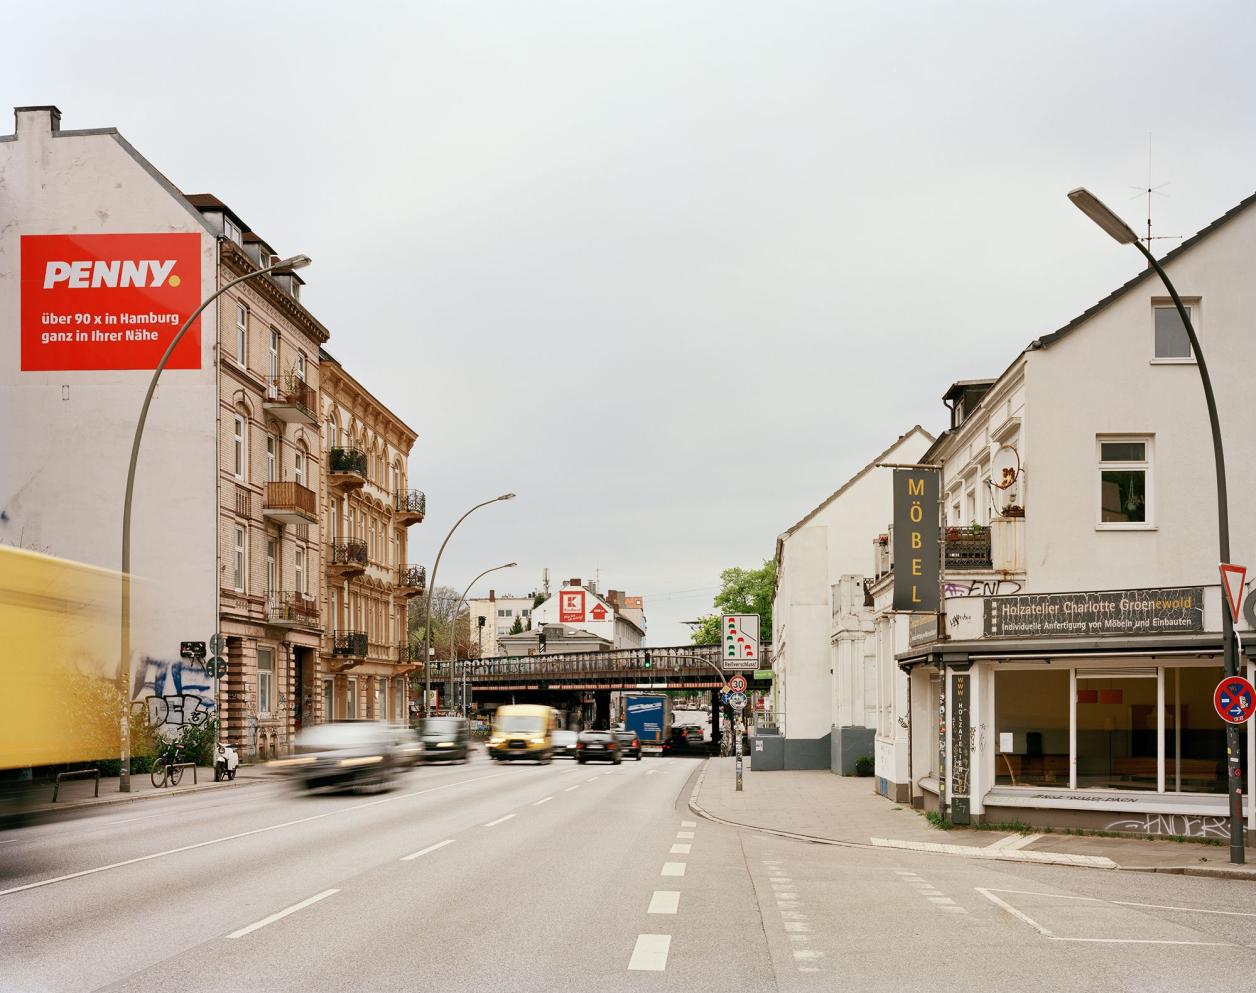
x: 742, y: 591
x: 444, y: 601
x: 517, y: 627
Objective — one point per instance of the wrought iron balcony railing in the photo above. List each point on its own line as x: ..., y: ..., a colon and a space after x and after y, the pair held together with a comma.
x: 968, y: 547
x: 347, y: 460
x: 412, y: 577
x: 411, y: 505
x: 409, y: 653
x: 349, y: 644
x: 288, y: 607
x: 348, y: 552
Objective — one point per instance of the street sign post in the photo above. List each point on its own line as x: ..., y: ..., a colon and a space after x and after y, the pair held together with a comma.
x: 216, y: 644
x: 738, y: 700
x: 216, y: 667
x: 740, y: 640
x: 1235, y: 700
x: 738, y: 684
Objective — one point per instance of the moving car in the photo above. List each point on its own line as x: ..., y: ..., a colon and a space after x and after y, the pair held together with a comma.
x: 522, y: 731
x: 695, y: 732
x: 406, y: 746
x: 343, y: 755
x: 680, y: 743
x: 444, y: 739
x: 565, y: 744
x: 598, y: 746
x: 629, y: 744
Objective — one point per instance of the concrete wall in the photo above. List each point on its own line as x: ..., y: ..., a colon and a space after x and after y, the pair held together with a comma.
x: 68, y: 433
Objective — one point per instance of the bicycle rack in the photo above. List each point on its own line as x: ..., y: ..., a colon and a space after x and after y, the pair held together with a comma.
x: 76, y: 774
x: 186, y: 765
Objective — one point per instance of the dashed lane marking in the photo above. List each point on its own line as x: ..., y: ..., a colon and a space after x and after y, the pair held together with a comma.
x: 570, y: 788
x: 281, y: 914
x: 689, y: 824
x: 499, y: 820
x: 680, y: 849
x: 673, y: 869
x: 423, y: 851
x: 664, y: 902
x: 543, y: 800
x: 650, y: 953
x: 684, y: 834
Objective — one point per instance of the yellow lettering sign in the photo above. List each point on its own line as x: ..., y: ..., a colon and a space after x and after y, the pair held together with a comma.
x: 916, y: 513
x: 915, y: 539
x: 915, y: 487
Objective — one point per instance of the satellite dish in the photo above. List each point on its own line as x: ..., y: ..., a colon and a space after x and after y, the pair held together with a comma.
x: 1005, y: 468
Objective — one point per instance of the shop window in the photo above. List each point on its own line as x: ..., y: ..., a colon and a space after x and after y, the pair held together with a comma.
x: 1031, y: 716
x: 1116, y: 731
x: 1194, y: 736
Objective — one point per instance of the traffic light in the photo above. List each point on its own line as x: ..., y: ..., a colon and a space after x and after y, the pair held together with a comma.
x: 648, y: 663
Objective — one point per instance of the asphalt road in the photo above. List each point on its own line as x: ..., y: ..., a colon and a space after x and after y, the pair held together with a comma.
x: 566, y: 878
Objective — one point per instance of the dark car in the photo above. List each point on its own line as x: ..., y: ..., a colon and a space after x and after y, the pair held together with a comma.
x: 629, y: 744
x: 679, y: 742
x: 565, y: 744
x: 598, y: 746
x: 445, y: 739
x: 343, y: 755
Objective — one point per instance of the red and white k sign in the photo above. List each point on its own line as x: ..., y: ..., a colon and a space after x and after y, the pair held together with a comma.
x: 571, y: 607
x: 109, y: 301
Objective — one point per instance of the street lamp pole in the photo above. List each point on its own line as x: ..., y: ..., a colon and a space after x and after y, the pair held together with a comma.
x: 1102, y: 215
x: 427, y: 629
x: 453, y: 647
x: 124, y: 779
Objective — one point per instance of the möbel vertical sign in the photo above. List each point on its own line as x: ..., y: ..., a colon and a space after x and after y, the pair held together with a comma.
x: 917, y: 538
x: 109, y: 301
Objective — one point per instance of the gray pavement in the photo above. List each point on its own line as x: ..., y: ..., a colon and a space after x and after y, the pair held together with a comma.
x: 566, y: 877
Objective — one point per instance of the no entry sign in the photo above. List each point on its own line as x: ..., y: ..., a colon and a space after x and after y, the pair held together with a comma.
x: 1234, y: 699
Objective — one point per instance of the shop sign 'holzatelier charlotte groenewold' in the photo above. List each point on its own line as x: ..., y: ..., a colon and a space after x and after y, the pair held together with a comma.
x: 1175, y: 610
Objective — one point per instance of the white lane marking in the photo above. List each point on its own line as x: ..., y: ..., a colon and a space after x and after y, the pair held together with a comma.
x: 695, y: 824
x: 786, y: 896
x: 282, y: 914
x: 570, y: 788
x: 684, y: 834
x: 1025, y: 918
x: 664, y: 902
x: 545, y: 800
x: 940, y: 899
x: 1126, y: 903
x: 242, y: 834
x: 1014, y: 841
x: 673, y: 869
x: 1003, y: 854
x: 650, y: 953
x: 680, y: 849
x: 423, y: 851
x: 797, y: 927
x: 499, y: 820
x: 806, y: 954
x: 591, y: 779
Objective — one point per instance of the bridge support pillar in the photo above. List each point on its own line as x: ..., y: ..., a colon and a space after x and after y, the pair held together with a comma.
x: 716, y: 721
x: 602, y: 705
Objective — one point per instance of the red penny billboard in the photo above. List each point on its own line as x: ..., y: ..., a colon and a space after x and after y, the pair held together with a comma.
x: 109, y: 301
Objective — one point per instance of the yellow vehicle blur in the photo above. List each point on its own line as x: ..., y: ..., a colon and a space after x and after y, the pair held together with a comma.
x: 522, y: 731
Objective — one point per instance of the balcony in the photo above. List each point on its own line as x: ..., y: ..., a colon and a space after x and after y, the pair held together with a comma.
x: 409, y: 506
x: 346, y: 558
x: 346, y: 469
x: 290, y: 503
x: 968, y: 548
x: 292, y: 400
x: 411, y: 580
x: 292, y: 610
x: 348, y: 644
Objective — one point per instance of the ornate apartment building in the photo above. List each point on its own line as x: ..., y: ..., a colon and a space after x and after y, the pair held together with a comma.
x: 368, y: 508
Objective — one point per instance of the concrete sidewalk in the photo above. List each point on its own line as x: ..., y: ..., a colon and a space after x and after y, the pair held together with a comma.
x: 35, y: 802
x: 815, y: 805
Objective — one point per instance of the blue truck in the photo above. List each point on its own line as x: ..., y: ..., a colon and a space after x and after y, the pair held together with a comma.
x: 649, y: 715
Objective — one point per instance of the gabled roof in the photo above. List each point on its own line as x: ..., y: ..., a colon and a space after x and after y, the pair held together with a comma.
x: 1050, y: 339
x: 847, y: 485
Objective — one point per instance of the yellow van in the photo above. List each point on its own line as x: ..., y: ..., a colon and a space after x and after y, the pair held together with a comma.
x: 522, y: 731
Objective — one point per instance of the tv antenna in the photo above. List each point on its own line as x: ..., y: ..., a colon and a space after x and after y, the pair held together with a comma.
x: 1148, y: 191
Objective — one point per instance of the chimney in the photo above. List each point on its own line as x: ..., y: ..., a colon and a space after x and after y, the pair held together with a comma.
x: 492, y: 595
x: 30, y: 120
x: 574, y: 582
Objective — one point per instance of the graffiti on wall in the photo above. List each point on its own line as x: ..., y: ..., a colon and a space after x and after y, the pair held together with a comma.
x: 1174, y: 825
x: 174, y: 694
x: 980, y: 587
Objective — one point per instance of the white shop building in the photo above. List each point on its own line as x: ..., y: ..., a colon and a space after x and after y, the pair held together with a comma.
x: 1070, y: 679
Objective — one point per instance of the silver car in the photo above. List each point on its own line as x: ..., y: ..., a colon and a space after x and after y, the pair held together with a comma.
x: 343, y: 755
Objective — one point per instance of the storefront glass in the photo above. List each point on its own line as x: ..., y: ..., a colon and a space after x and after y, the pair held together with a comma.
x: 1031, y: 714
x: 1193, y: 734
x: 1116, y: 731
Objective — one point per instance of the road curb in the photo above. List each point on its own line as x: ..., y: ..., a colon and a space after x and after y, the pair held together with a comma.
x: 44, y: 814
x: 1219, y: 872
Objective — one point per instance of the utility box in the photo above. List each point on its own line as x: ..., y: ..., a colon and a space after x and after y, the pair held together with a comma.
x: 767, y: 751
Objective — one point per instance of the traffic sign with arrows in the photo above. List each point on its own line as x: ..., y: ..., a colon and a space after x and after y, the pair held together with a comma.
x: 740, y: 633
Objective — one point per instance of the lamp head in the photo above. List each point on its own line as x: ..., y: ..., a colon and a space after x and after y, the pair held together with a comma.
x: 1101, y: 214
x: 296, y: 262
x: 506, y: 496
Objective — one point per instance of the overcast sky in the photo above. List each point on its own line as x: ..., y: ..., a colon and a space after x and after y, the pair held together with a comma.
x: 671, y: 271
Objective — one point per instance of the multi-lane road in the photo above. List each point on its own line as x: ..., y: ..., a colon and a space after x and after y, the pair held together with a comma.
x: 565, y: 877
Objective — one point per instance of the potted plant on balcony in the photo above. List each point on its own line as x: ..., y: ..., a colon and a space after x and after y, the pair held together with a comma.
x: 1013, y: 510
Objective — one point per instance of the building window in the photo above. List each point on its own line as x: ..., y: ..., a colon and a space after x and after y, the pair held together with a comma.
x: 272, y: 566
x: 501, y: 613
x: 329, y: 700
x: 238, y: 563
x: 1194, y: 738
x: 274, y: 354
x: 1171, y: 341
x: 298, y: 572
x: 232, y: 230
x: 1031, y: 717
x: 272, y: 448
x: 301, y: 365
x: 265, y: 680
x: 351, y: 699
x: 298, y: 469
x: 238, y: 460
x: 525, y: 612
x: 242, y: 334
x: 1125, y: 482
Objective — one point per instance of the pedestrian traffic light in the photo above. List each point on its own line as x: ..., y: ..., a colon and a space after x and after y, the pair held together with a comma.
x: 648, y: 663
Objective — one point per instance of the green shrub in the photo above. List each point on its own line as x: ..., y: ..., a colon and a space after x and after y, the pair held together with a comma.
x: 864, y: 765
x: 938, y: 821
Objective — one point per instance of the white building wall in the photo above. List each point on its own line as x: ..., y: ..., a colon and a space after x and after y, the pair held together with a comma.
x: 68, y: 433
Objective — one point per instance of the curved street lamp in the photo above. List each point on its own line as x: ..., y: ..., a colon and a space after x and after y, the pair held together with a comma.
x: 453, y: 641
x: 427, y: 630
x: 295, y: 262
x: 1102, y: 215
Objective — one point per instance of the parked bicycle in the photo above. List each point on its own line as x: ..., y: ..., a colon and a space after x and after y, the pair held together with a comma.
x: 167, y: 769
